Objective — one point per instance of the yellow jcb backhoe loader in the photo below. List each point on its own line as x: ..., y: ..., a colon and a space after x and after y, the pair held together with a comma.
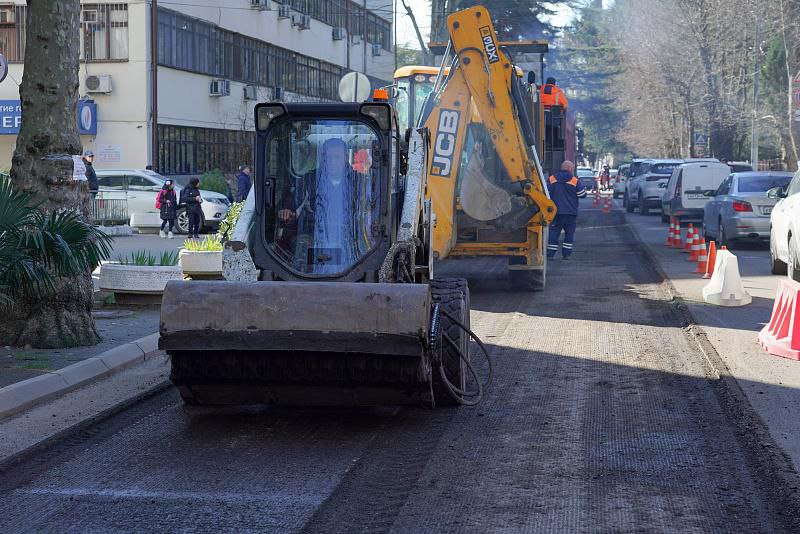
x: 485, y: 180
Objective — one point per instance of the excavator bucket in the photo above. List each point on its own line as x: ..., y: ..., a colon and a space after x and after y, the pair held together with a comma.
x: 298, y: 343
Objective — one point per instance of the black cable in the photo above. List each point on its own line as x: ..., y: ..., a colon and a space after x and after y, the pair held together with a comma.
x: 456, y: 393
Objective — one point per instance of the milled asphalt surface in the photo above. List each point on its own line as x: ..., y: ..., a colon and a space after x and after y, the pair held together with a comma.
x: 604, y: 416
x: 771, y: 383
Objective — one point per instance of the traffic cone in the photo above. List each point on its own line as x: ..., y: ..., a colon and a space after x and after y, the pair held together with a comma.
x: 725, y: 287
x: 676, y: 236
x: 606, y: 205
x: 695, y: 253
x: 595, y: 198
x: 702, y: 258
x: 712, y: 259
x: 689, y: 239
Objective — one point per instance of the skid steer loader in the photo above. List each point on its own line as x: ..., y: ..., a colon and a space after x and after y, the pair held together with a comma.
x: 344, y: 310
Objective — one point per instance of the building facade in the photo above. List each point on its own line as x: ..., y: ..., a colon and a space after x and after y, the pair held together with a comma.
x: 215, y: 59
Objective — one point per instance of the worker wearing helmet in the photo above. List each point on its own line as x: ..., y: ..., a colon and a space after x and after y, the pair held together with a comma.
x: 552, y: 95
x: 565, y: 191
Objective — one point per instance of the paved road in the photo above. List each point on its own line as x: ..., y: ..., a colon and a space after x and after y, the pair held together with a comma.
x: 604, y: 416
x: 771, y: 383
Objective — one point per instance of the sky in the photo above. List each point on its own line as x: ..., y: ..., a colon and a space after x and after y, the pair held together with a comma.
x: 422, y: 11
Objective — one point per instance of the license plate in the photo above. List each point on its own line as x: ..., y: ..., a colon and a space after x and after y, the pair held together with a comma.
x: 766, y: 211
x: 695, y: 196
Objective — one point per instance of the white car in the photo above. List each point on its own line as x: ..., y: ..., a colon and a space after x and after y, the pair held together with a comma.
x: 140, y: 187
x: 784, y: 229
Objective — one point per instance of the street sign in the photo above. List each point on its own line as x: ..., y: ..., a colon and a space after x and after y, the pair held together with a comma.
x: 354, y: 87
x: 701, y: 139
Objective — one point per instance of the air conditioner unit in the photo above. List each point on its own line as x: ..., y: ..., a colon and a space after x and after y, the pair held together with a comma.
x: 261, y: 5
x: 284, y: 12
x: 338, y: 33
x: 300, y: 21
x: 219, y: 88
x: 250, y: 92
x: 355, y: 39
x: 376, y: 49
x: 99, y: 83
x: 7, y: 15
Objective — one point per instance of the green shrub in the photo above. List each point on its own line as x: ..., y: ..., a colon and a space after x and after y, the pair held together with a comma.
x: 214, y: 181
x: 208, y: 244
x: 227, y: 224
x: 145, y: 259
x: 38, y: 246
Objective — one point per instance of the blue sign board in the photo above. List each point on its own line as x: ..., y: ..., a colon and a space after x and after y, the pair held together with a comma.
x: 87, y: 117
x: 11, y: 116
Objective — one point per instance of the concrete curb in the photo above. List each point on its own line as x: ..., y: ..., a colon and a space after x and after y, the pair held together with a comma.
x: 22, y: 395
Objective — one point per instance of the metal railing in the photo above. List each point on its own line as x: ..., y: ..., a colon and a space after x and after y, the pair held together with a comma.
x: 110, y: 211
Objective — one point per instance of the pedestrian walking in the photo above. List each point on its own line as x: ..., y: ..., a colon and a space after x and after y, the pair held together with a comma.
x: 91, y: 176
x: 191, y: 200
x: 243, y: 183
x: 565, y: 191
x: 167, y: 204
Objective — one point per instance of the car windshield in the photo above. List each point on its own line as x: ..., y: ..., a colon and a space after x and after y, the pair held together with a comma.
x: 583, y: 173
x: 761, y: 184
x: 637, y: 168
x: 421, y: 89
x: 326, y: 194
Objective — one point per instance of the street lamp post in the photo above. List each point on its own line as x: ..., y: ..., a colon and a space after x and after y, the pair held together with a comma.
x: 756, y: 88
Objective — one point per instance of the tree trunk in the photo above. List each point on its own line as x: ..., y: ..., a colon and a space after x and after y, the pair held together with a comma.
x: 48, y: 136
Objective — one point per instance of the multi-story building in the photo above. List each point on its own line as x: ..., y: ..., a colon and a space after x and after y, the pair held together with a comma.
x: 214, y: 60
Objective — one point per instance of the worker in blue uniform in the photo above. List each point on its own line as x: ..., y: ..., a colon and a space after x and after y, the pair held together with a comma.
x: 565, y: 192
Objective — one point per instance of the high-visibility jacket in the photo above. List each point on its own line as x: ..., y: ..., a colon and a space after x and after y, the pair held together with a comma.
x: 565, y: 190
x: 552, y: 95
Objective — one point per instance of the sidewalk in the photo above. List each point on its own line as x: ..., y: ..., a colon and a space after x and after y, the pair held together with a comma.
x: 771, y: 383
x: 115, y: 326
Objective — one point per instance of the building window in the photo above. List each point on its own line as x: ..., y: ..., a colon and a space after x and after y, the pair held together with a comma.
x: 338, y: 13
x: 104, y: 32
x: 188, y: 150
x: 12, y: 32
x: 198, y: 46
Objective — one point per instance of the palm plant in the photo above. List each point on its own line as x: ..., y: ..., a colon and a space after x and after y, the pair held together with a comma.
x: 38, y: 246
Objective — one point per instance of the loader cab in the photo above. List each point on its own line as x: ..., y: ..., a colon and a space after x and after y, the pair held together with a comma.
x: 325, y: 189
x: 412, y: 87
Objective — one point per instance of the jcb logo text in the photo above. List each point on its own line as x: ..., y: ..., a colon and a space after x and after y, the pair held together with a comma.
x: 445, y: 144
x: 489, y: 45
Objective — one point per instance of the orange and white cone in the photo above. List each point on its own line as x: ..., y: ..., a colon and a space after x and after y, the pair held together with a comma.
x: 702, y: 259
x: 607, y: 205
x: 689, y: 239
x: 712, y: 259
x: 676, y: 234
x: 695, y: 253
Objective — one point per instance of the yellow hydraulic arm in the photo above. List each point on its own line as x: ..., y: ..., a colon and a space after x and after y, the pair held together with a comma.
x: 480, y: 81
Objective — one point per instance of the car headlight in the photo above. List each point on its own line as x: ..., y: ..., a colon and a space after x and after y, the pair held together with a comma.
x: 216, y: 200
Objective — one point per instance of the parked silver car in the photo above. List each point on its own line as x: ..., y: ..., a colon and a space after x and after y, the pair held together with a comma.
x: 740, y: 208
x: 645, y: 188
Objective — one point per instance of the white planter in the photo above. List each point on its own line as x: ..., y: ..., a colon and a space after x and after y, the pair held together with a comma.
x: 201, y: 262
x: 137, y: 278
x: 146, y: 220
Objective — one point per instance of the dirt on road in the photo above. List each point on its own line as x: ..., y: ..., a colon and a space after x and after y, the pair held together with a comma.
x: 604, y: 415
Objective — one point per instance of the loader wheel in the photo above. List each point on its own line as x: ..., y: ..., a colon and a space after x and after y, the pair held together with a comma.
x: 453, y: 296
x: 534, y: 280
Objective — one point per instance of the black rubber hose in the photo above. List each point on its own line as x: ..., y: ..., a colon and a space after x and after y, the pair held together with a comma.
x: 452, y: 389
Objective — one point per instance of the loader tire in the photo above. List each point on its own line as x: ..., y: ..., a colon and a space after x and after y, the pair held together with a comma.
x: 453, y: 296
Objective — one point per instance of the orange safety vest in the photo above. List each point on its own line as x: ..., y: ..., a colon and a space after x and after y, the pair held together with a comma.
x: 552, y: 95
x: 573, y: 182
